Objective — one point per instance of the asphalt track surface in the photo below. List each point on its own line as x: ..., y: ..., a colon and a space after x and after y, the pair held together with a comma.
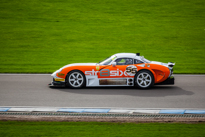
x: 33, y: 90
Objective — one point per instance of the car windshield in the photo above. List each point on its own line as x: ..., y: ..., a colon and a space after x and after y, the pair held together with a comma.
x: 108, y: 60
x: 145, y: 60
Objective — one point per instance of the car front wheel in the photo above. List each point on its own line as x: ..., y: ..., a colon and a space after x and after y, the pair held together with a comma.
x: 144, y: 79
x: 75, y: 79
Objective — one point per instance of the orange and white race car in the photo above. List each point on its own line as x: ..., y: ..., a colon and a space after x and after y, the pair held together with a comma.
x: 122, y: 69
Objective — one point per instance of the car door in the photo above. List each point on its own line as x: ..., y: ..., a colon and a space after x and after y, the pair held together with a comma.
x: 115, y: 75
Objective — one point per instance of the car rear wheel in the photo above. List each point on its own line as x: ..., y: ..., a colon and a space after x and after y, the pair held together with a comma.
x: 144, y: 79
x: 75, y: 79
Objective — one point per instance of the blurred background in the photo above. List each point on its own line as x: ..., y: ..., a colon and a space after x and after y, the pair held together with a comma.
x: 40, y: 36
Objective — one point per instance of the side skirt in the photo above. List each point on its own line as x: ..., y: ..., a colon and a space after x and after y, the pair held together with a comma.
x: 93, y: 81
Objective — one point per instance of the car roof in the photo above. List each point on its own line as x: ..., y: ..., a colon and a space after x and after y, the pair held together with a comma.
x: 127, y: 55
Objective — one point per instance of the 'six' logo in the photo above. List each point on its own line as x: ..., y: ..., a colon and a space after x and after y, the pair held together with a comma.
x: 106, y: 72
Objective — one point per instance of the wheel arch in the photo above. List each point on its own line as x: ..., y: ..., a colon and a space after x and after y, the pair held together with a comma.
x: 153, y: 73
x: 75, y: 70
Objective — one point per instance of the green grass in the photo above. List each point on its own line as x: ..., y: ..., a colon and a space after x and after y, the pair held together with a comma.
x: 12, y: 128
x: 40, y: 36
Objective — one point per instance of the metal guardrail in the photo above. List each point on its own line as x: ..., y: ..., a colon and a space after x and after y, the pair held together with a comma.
x: 104, y: 115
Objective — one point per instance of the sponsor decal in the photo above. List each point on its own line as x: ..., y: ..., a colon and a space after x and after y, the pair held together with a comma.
x: 91, y: 73
x: 113, y: 81
x: 97, y: 67
x: 106, y: 72
x: 130, y: 71
x: 59, y: 79
x: 114, y: 58
x: 148, y: 65
x: 61, y: 74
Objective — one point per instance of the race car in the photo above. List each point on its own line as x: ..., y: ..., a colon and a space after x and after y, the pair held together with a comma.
x: 122, y: 69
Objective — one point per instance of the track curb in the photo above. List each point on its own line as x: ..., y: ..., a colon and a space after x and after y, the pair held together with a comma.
x: 102, y: 110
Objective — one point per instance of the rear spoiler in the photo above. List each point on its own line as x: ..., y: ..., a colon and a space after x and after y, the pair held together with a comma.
x: 170, y: 64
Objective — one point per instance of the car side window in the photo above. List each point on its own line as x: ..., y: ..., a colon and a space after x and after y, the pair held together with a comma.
x: 124, y: 61
x: 137, y: 61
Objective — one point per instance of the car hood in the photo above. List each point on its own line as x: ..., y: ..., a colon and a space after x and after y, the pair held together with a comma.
x: 74, y: 64
x: 79, y: 64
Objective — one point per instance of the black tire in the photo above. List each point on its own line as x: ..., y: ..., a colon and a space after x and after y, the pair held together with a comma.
x: 75, y: 79
x: 144, y: 79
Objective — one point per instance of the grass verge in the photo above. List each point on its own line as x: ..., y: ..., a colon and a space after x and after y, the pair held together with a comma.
x: 14, y: 128
x: 40, y: 36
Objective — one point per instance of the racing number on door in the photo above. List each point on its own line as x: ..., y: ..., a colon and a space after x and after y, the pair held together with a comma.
x: 131, y: 70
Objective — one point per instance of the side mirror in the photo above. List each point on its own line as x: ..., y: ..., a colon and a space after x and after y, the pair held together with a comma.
x: 113, y: 64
